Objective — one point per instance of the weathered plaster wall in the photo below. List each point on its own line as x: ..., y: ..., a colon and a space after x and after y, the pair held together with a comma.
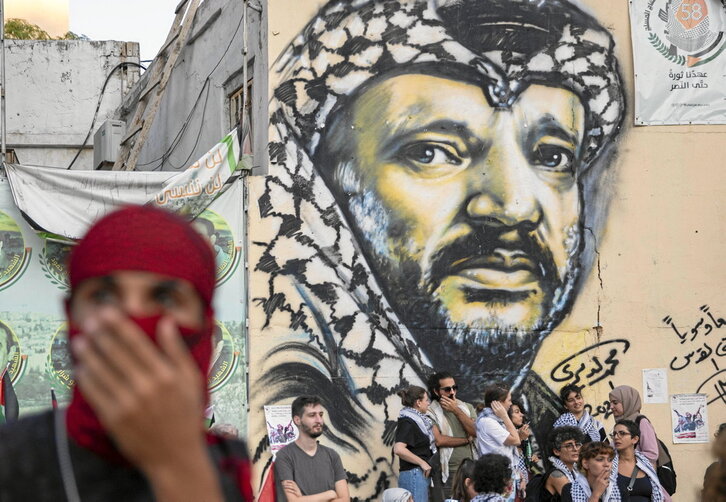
x: 658, y: 255
x: 194, y: 111
x: 52, y: 92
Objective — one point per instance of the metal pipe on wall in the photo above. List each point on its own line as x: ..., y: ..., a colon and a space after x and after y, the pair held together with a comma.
x: 3, y: 133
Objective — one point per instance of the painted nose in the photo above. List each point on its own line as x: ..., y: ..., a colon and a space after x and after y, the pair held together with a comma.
x: 503, y: 189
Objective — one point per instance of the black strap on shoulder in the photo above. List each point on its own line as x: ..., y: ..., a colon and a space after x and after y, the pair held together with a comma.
x: 632, y: 479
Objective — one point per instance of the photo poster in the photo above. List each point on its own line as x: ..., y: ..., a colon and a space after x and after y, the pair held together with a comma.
x: 281, y: 431
x: 34, y: 284
x: 679, y: 57
x: 655, y: 386
x: 689, y: 418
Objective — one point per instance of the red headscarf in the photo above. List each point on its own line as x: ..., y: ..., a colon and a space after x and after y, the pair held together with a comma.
x: 140, y: 238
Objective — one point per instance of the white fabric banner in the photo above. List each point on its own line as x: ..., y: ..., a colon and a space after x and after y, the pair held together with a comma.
x: 66, y: 203
x: 679, y: 54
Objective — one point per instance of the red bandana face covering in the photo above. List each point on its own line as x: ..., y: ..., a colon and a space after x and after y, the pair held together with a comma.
x: 141, y: 238
x: 83, y: 424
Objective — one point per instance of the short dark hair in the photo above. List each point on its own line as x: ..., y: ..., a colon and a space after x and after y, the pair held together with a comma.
x: 559, y: 435
x: 433, y: 382
x: 569, y: 389
x: 593, y: 449
x: 495, y: 392
x: 492, y: 473
x: 632, y: 427
x: 299, y: 404
x: 458, y: 484
x: 720, y: 429
x: 411, y: 394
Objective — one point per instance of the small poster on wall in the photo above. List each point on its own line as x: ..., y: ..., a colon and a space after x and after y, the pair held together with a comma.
x: 280, y: 428
x: 679, y: 55
x: 689, y: 418
x: 655, y: 386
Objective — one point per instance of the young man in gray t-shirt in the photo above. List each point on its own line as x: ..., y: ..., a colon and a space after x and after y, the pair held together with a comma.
x: 306, y: 468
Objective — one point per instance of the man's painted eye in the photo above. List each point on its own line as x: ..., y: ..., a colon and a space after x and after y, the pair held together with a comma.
x: 431, y: 154
x: 555, y: 158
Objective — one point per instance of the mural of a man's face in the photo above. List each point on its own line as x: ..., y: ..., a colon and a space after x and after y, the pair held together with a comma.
x: 469, y: 214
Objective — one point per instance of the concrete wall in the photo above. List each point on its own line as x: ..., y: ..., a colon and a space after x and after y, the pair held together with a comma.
x: 53, y: 88
x: 333, y: 245
x: 194, y: 112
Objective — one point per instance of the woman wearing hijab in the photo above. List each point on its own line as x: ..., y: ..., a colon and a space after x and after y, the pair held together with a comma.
x: 636, y: 476
x: 577, y: 415
x: 625, y: 404
x: 593, y: 483
x: 415, y: 443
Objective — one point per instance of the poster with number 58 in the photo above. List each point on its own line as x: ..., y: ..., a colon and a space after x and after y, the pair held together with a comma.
x: 679, y: 54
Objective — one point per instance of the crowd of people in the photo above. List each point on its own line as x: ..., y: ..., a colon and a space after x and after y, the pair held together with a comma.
x: 450, y: 451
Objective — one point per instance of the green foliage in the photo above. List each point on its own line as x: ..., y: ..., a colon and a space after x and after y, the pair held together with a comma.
x: 20, y: 29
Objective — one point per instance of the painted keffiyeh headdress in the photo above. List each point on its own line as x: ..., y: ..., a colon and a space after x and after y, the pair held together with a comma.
x: 329, y: 328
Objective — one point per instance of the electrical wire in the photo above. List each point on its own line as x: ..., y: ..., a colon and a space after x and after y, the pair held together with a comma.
x: 98, y: 105
x: 165, y: 157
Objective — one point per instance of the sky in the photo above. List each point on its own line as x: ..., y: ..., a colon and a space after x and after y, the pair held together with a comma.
x: 144, y: 21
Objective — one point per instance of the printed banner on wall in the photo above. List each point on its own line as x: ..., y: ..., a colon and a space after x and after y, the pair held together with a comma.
x: 679, y: 53
x: 690, y: 418
x: 66, y: 202
x: 34, y: 283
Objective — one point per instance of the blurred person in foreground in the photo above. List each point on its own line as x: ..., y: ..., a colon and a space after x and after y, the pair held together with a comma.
x: 140, y: 323
x: 714, y: 482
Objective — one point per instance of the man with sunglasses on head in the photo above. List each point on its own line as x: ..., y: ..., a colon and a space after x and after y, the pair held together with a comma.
x: 455, y: 428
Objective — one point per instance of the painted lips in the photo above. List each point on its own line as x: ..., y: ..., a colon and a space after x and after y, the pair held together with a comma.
x: 516, y: 273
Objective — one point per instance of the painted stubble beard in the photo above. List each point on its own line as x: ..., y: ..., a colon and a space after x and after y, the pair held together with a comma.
x: 490, y: 344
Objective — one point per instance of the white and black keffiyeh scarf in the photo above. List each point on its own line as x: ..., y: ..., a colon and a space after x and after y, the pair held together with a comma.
x: 489, y: 497
x: 424, y: 422
x: 586, y: 424
x: 644, y: 465
x: 558, y: 464
x: 581, y: 490
x: 320, y: 322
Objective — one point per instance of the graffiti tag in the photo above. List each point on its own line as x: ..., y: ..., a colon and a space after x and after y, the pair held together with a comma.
x: 587, y: 368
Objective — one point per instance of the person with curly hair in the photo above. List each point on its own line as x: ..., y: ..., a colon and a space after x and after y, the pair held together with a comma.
x: 492, y: 478
x: 563, y: 444
x: 577, y: 414
x: 593, y: 483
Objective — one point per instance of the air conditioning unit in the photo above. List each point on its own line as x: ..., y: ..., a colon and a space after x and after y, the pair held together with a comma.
x: 106, y: 143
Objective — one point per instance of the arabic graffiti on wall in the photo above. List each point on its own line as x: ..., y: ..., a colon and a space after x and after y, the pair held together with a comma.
x: 702, y: 344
